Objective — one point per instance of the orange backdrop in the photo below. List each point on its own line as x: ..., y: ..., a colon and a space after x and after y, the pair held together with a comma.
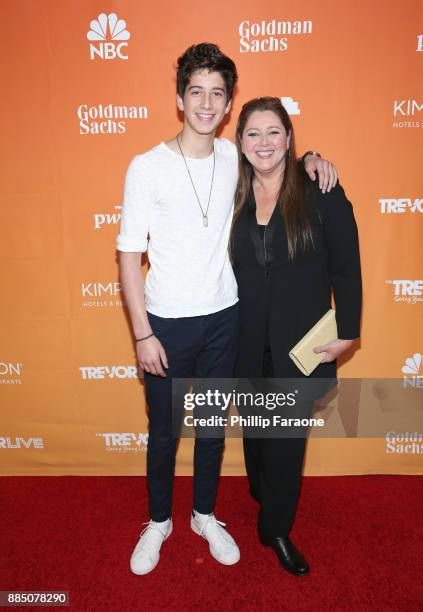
x: 86, y: 85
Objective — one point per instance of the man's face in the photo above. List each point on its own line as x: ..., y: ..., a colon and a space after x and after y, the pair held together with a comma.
x: 204, y: 103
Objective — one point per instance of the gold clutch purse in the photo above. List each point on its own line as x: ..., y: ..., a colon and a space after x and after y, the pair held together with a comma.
x: 323, y: 332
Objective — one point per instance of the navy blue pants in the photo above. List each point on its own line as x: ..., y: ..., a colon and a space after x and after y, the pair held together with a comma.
x: 196, y: 347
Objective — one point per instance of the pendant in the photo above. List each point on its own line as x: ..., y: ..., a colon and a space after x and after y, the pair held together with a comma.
x: 205, y: 221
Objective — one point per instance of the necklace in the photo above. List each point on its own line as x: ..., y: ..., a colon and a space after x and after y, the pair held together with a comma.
x: 205, y: 217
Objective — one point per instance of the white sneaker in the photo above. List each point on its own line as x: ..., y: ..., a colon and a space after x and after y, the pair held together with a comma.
x: 146, y: 553
x: 222, y: 545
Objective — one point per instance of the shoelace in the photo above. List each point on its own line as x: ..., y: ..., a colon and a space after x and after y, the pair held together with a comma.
x: 221, y: 532
x: 151, y: 527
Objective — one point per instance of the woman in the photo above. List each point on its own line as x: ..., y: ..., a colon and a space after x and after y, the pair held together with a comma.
x: 290, y: 245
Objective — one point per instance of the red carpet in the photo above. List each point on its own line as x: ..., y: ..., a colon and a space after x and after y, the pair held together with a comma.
x: 362, y: 536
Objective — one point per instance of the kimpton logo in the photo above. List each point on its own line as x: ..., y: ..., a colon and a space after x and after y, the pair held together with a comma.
x: 406, y: 112
x: 10, y: 373
x: 413, y: 371
x: 106, y: 32
x: 291, y: 106
x: 99, y: 295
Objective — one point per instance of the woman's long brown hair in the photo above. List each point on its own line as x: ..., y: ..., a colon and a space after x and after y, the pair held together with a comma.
x: 291, y: 194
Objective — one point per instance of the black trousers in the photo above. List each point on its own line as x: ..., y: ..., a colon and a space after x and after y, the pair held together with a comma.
x: 274, y: 468
x: 198, y: 347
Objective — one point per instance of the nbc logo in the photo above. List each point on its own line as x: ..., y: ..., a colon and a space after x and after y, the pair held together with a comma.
x: 291, y: 106
x: 105, y: 32
x: 413, y: 371
x: 419, y: 42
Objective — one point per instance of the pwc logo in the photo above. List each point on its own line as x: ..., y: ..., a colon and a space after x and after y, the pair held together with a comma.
x: 105, y: 35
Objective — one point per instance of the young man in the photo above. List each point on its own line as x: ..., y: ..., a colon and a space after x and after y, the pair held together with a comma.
x: 178, y: 205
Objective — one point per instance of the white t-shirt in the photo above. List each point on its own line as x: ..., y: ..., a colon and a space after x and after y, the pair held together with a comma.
x: 190, y: 273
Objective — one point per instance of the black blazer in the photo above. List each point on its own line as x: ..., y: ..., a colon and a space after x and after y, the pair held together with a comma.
x: 294, y: 295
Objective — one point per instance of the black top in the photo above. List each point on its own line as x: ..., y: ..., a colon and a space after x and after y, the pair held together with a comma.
x: 262, y: 229
x: 293, y: 295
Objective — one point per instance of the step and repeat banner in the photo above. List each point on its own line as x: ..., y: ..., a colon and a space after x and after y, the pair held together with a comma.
x: 89, y: 84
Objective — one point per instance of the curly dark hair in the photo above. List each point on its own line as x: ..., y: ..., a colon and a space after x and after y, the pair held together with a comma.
x: 205, y: 56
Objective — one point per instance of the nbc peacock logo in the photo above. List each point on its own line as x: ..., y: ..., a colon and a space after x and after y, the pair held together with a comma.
x: 413, y: 371
x: 291, y: 106
x: 108, y: 36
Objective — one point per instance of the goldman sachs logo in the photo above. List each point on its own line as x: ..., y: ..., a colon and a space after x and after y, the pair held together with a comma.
x: 108, y: 36
x: 108, y: 119
x: 269, y: 36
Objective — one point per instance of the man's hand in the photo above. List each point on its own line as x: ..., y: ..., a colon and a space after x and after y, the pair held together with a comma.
x: 333, y: 349
x: 152, y: 356
x: 324, y: 168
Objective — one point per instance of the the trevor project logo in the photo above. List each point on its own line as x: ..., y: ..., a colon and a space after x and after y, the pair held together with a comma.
x: 106, y: 32
x: 408, y: 291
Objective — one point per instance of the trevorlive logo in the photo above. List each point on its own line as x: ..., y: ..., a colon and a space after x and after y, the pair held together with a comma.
x: 21, y: 442
x: 400, y: 205
x: 104, y: 33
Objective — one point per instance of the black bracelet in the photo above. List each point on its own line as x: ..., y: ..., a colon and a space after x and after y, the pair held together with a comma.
x: 145, y: 338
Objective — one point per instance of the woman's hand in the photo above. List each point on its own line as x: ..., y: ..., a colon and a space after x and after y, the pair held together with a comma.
x: 152, y: 356
x: 333, y: 349
x: 324, y: 168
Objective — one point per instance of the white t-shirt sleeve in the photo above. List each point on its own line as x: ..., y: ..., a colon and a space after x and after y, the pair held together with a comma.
x: 138, y: 202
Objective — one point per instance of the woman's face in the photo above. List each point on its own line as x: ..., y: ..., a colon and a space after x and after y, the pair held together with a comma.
x: 264, y: 141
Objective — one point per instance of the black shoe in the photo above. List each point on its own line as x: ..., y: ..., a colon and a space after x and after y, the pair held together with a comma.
x: 289, y: 557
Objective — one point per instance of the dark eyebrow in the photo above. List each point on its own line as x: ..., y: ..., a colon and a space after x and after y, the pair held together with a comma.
x: 201, y: 87
x: 271, y: 127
